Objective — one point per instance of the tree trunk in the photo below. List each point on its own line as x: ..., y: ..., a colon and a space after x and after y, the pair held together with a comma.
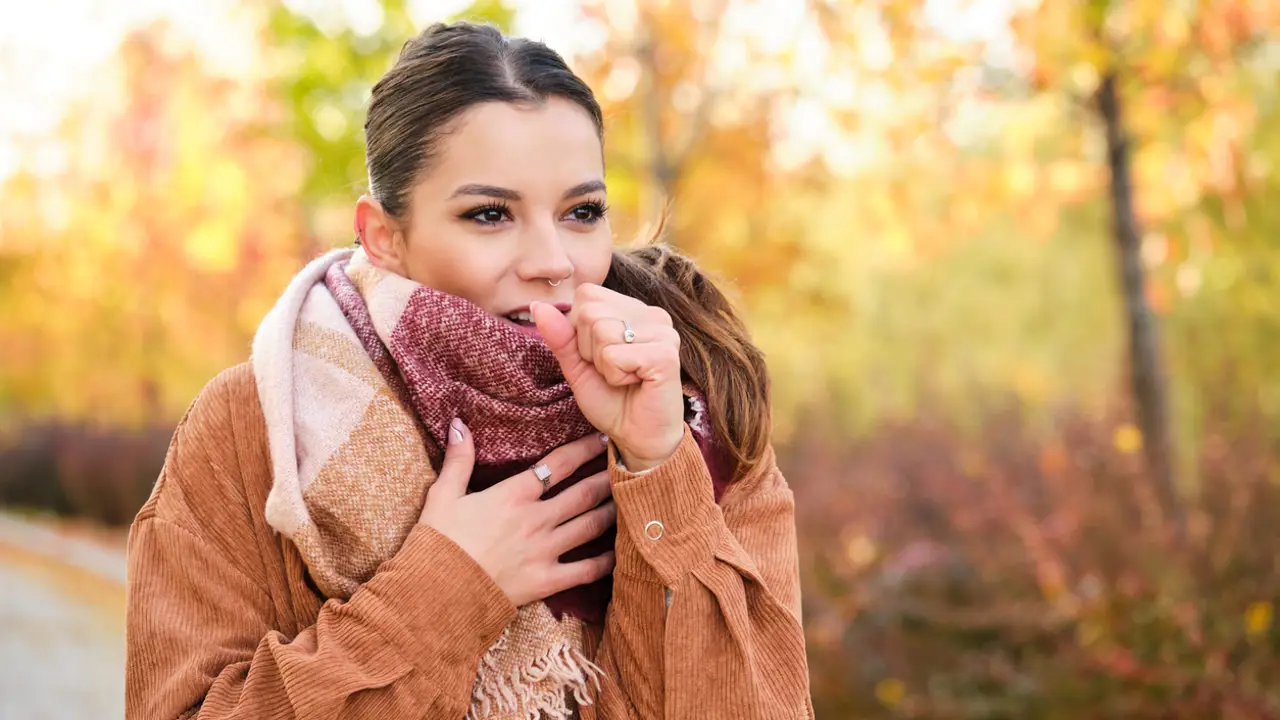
x: 1146, y: 368
x: 661, y: 167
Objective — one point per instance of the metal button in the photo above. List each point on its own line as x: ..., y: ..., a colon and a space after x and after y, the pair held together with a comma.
x: 653, y: 530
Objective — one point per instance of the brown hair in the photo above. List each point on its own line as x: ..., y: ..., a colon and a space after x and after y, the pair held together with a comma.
x: 450, y: 67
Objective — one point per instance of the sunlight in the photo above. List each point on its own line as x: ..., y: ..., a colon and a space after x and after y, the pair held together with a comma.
x: 57, y: 51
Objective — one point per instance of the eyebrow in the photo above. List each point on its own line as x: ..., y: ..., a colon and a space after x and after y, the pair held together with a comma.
x: 502, y: 193
x: 585, y: 188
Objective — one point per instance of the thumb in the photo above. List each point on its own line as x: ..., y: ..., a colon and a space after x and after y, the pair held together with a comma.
x: 459, y: 460
x: 560, y: 335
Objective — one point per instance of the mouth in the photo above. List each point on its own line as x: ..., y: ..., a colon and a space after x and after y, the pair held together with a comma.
x: 522, y: 318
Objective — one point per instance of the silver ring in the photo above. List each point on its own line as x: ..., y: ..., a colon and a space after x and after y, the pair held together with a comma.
x: 628, y: 335
x: 566, y: 277
x: 543, y: 473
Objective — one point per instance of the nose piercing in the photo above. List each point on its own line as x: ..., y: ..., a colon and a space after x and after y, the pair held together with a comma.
x: 566, y: 277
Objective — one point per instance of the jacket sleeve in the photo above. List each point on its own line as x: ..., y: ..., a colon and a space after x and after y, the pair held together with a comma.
x: 705, y: 619
x: 202, y: 637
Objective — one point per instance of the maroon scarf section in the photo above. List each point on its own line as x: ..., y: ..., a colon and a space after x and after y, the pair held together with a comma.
x: 449, y: 358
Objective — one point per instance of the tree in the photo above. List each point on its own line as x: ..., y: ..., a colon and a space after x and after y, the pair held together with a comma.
x: 1113, y: 96
x: 157, y: 248
x: 325, y: 74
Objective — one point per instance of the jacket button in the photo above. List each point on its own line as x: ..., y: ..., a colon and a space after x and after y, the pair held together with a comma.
x: 653, y: 530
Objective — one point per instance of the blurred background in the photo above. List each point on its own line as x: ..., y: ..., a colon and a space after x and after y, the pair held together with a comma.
x: 1014, y: 264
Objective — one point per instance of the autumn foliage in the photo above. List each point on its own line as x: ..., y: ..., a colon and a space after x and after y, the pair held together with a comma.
x: 912, y: 204
x: 1020, y: 573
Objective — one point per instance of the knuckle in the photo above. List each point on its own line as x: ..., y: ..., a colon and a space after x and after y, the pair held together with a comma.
x: 597, y: 525
x: 557, y: 461
x: 660, y: 316
x: 580, y: 498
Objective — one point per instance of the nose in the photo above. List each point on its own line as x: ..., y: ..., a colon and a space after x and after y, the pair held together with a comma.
x: 542, y: 254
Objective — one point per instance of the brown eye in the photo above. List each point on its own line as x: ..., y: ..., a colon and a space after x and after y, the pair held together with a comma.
x: 587, y: 213
x: 487, y: 214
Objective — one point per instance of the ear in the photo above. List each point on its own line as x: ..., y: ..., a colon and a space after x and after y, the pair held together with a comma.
x: 380, y: 235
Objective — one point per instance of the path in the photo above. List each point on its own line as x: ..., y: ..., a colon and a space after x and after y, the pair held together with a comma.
x: 61, y: 622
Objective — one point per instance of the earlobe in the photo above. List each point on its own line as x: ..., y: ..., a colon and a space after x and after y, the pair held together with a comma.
x: 380, y: 236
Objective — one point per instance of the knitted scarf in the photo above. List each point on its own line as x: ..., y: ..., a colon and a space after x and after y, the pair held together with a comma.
x: 359, y: 372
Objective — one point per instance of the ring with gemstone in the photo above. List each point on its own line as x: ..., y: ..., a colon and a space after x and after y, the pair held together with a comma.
x: 628, y: 335
x: 543, y: 473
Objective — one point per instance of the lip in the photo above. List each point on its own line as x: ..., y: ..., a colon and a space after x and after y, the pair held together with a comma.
x: 531, y: 330
x: 561, y: 306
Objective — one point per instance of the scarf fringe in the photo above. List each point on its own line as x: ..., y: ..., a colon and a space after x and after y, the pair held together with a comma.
x: 537, y: 691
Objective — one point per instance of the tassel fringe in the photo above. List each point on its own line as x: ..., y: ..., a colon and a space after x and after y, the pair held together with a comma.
x: 537, y: 692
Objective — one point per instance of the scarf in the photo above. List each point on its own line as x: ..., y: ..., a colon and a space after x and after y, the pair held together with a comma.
x: 359, y: 372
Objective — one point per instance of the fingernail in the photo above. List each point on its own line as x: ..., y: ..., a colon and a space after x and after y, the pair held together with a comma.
x: 455, y: 431
x: 604, y: 439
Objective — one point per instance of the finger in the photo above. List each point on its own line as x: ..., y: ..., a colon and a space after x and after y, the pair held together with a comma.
x: 563, y: 576
x: 561, y: 337
x: 584, y: 495
x: 459, y: 460
x: 562, y: 462
x: 650, y: 325
x: 649, y: 362
x: 583, y: 528
x: 609, y: 331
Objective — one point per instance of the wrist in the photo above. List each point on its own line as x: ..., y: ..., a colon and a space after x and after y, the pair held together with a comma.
x: 651, y: 457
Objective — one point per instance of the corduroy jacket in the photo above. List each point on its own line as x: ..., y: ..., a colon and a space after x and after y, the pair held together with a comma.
x: 223, y: 622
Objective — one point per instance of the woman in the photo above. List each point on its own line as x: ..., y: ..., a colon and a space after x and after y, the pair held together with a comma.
x: 481, y: 465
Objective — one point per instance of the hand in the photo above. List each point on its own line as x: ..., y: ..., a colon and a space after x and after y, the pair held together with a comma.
x: 512, y: 534
x: 631, y: 391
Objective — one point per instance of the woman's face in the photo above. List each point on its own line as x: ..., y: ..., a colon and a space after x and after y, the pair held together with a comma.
x: 513, y: 202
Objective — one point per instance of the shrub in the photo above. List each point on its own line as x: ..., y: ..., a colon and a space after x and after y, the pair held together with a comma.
x: 1024, y: 577
x: 95, y: 473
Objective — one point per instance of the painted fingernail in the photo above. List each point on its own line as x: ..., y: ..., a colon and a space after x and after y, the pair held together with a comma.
x: 455, y: 431
x: 604, y: 439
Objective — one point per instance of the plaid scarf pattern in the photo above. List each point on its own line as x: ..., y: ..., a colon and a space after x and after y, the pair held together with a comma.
x: 359, y: 372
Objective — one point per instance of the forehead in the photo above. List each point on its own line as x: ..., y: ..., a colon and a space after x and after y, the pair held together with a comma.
x: 549, y: 146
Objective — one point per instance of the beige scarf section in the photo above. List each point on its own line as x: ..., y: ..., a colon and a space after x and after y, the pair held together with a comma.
x: 343, y: 444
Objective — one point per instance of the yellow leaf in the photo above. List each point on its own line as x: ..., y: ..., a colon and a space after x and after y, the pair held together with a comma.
x: 1127, y: 439
x: 861, y: 550
x: 1019, y: 179
x: 1257, y: 619
x: 1089, y: 631
x: 890, y: 691
x: 212, y: 246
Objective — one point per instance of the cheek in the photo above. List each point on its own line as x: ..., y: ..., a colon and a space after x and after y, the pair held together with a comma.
x: 591, y: 262
x: 453, y: 266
